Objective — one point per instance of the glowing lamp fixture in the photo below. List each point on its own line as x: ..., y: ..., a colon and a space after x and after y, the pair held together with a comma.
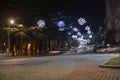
x: 12, y: 21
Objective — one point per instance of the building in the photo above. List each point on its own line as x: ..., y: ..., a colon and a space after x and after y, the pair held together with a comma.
x: 112, y: 20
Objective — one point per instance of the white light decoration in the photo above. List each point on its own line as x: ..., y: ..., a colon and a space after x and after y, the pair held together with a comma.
x: 41, y: 23
x: 87, y: 28
x: 82, y: 37
x: 61, y: 29
x: 79, y: 39
x: 69, y: 33
x: 71, y: 26
x: 75, y: 29
x: 88, y: 40
x: 74, y: 36
x: 61, y: 24
x: 81, y: 21
x: 100, y: 27
x: 89, y: 32
x: 90, y: 36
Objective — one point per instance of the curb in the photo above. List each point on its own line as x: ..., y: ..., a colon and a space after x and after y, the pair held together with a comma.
x: 108, y: 66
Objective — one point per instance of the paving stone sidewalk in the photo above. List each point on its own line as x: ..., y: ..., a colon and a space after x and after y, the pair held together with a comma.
x: 89, y: 70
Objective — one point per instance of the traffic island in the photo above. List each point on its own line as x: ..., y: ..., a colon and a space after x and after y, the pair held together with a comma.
x: 111, y: 63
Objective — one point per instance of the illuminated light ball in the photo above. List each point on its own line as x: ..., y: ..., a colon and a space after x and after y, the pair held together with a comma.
x: 71, y: 26
x: 75, y: 29
x: 61, y: 24
x: 69, y: 33
x: 88, y: 40
x: 81, y: 21
x: 79, y: 39
x: 61, y: 29
x: 41, y: 23
x: 74, y: 36
x: 82, y: 37
x: 100, y: 27
x: 89, y: 32
x: 87, y: 28
x: 78, y: 33
x: 90, y: 36
x: 102, y: 35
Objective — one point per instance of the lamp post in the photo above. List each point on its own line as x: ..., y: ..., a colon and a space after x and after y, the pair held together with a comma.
x: 10, y: 22
x: 20, y: 26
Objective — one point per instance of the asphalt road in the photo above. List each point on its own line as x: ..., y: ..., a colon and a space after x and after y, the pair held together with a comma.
x: 65, y: 67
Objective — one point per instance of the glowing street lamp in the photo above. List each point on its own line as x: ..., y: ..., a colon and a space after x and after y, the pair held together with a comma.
x: 10, y: 22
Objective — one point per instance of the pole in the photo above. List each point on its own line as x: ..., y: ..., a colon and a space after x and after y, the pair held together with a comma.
x: 9, y: 40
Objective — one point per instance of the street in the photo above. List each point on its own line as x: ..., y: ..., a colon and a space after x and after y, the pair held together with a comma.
x: 61, y: 67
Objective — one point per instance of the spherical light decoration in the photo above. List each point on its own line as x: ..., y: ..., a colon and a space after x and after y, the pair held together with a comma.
x: 89, y: 32
x: 87, y: 28
x: 100, y: 27
x: 61, y: 24
x: 90, y: 36
x: 71, y: 26
x: 78, y: 33
x: 74, y: 36
x: 75, y: 29
x: 82, y: 37
x: 61, y: 29
x: 79, y: 39
x: 81, y: 21
x: 88, y: 40
x: 41, y: 23
x: 69, y: 33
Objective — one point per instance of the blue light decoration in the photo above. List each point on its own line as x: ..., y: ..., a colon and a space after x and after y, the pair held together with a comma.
x: 82, y: 37
x: 78, y: 33
x: 75, y: 29
x: 41, y: 23
x: 61, y: 24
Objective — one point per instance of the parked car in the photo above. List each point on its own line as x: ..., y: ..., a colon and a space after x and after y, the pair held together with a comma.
x: 111, y: 48
x: 73, y: 49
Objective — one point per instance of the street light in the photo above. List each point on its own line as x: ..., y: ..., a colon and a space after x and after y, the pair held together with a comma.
x: 10, y: 23
x: 20, y: 26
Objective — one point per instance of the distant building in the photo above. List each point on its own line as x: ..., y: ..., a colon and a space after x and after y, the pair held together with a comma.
x: 112, y: 19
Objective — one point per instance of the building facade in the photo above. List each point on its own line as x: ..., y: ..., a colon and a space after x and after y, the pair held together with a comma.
x: 112, y: 19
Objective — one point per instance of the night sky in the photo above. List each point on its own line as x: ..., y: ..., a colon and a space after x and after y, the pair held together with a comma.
x: 30, y: 11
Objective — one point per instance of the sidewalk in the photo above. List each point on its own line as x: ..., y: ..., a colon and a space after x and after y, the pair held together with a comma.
x: 15, y: 57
